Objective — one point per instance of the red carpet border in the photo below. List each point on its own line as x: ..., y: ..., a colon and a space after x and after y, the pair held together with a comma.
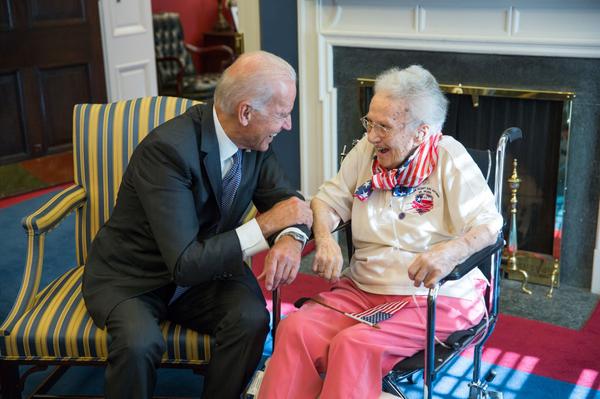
x: 10, y: 201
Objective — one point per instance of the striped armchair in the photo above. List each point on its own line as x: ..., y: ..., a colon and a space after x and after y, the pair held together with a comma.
x: 50, y: 325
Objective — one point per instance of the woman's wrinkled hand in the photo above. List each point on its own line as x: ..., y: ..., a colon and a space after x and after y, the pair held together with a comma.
x: 328, y: 259
x: 428, y: 268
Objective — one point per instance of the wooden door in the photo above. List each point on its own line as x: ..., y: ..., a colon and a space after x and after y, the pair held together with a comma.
x: 50, y: 59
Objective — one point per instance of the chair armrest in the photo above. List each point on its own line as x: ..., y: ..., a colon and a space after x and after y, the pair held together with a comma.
x: 219, y: 48
x: 346, y: 227
x: 37, y: 225
x: 473, y: 261
x: 210, y: 49
x: 343, y: 226
x: 49, y: 215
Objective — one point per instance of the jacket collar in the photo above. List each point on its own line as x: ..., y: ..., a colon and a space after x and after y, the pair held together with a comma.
x: 209, y: 149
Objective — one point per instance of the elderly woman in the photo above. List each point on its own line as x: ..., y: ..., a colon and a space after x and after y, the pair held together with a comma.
x: 419, y: 206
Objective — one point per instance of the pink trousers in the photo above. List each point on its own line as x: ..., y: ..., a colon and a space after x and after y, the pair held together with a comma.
x: 322, y: 353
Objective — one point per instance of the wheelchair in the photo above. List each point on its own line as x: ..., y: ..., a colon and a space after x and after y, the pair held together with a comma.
x: 434, y: 357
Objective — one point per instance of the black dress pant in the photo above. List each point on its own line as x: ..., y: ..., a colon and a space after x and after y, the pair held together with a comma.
x: 233, y: 311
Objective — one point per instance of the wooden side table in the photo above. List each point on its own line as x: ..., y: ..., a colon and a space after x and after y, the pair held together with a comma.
x: 235, y: 40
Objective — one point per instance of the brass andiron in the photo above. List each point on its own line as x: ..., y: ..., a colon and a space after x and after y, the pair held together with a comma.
x: 553, y: 278
x: 511, y: 265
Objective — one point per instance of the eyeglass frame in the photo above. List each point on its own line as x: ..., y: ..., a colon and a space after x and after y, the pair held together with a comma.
x: 387, y: 131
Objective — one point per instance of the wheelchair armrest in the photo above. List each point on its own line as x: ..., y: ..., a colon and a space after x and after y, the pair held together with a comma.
x: 473, y: 261
x: 37, y: 224
x: 343, y: 226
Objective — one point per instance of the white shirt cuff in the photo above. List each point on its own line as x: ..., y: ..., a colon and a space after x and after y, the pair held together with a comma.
x: 251, y: 238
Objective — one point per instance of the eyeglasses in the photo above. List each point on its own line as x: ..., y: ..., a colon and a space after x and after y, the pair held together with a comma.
x: 368, y: 125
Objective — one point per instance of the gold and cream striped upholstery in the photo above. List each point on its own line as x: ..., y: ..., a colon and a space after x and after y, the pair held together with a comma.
x: 53, y: 324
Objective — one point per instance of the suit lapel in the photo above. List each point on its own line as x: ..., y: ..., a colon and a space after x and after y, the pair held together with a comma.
x: 209, y: 147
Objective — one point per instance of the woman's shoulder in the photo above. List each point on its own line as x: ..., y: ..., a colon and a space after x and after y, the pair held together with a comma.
x: 451, y: 146
x: 361, y: 152
x: 363, y: 145
x: 452, y: 154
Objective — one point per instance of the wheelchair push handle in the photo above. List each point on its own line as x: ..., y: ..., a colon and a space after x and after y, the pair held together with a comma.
x: 513, y: 133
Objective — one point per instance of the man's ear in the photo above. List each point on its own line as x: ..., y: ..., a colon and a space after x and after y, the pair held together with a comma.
x: 244, y: 113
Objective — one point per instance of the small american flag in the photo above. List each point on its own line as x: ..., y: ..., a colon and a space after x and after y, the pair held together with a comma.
x: 370, y: 316
x: 381, y: 312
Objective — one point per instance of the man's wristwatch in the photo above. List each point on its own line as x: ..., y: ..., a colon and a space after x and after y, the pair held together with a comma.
x: 296, y: 236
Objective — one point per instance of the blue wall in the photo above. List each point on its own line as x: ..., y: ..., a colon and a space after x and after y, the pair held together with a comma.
x: 279, y: 35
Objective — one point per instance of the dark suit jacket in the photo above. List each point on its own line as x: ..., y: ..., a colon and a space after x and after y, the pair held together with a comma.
x: 166, y: 226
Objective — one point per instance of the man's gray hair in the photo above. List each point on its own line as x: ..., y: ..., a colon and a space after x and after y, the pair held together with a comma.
x: 418, y: 88
x: 252, y: 77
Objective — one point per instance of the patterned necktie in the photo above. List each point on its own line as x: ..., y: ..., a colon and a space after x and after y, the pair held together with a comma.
x: 231, y: 182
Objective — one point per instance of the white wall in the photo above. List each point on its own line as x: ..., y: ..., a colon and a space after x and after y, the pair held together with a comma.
x: 249, y: 15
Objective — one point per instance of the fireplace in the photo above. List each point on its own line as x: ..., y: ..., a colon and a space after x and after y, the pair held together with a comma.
x: 543, y: 55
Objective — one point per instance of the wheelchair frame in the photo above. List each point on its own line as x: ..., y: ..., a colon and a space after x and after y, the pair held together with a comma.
x: 490, y: 258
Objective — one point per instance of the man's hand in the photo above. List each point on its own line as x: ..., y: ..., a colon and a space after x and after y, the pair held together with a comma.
x: 286, y: 213
x: 282, y: 263
x: 328, y: 259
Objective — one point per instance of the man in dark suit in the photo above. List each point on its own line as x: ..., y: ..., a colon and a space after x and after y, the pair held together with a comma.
x: 174, y: 248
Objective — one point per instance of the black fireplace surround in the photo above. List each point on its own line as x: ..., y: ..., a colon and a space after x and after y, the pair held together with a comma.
x: 579, y: 75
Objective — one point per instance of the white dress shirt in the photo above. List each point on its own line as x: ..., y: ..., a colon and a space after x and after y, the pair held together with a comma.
x: 251, y: 238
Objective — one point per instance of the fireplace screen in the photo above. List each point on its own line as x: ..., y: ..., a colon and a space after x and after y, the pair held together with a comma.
x: 476, y: 117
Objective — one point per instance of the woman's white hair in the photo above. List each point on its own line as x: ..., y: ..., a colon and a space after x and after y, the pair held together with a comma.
x: 421, y: 92
x: 252, y: 77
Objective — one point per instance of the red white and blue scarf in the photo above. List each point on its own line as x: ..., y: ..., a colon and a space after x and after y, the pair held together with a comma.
x: 405, y: 179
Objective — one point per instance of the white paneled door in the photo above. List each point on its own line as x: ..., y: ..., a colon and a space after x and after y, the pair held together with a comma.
x: 128, y: 44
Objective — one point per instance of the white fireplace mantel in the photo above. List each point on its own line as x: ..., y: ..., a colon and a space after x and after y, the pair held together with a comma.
x: 557, y: 28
